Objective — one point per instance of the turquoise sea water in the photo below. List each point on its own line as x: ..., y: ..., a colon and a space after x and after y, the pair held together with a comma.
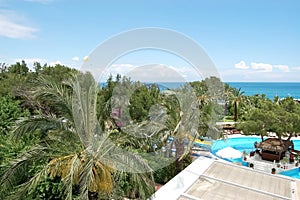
x: 270, y: 89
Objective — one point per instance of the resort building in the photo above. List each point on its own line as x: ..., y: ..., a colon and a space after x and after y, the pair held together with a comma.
x: 208, y: 179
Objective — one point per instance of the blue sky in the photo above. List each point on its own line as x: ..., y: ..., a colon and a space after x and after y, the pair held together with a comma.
x: 250, y: 40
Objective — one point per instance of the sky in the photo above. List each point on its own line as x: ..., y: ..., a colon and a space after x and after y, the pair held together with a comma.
x: 249, y: 40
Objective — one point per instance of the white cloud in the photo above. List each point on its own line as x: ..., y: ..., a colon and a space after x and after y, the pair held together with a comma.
x: 152, y: 72
x: 55, y: 63
x: 296, y: 68
x: 262, y: 67
x: 156, y: 73
x: 121, y: 68
x: 283, y: 68
x: 75, y: 58
x: 241, y: 65
x: 30, y: 61
x: 149, y: 73
x: 262, y: 72
x: 10, y: 26
x: 42, y: 61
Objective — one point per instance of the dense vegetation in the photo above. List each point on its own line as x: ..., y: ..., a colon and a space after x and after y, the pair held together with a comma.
x: 60, y: 131
x: 64, y: 137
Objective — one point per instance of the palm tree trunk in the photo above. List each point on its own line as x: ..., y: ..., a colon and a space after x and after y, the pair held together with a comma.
x: 235, y: 111
x: 179, y: 143
x: 262, y: 137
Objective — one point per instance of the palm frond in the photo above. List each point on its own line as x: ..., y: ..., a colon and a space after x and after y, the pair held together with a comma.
x: 55, y: 94
x: 142, y: 185
x: 84, y: 107
x: 25, y: 188
x: 122, y: 160
x: 60, y: 166
x: 72, y: 177
x: 41, y: 123
x: 85, y: 177
x: 66, y: 167
x: 19, y: 166
x: 101, y: 173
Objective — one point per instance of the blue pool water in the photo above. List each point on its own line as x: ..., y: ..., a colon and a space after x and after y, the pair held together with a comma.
x: 242, y: 143
x: 295, y: 173
x: 247, y: 144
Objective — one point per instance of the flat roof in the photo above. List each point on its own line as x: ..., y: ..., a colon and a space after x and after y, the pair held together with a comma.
x: 207, y: 178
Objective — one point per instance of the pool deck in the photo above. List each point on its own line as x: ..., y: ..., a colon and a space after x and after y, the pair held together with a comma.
x: 266, y: 166
x: 258, y: 163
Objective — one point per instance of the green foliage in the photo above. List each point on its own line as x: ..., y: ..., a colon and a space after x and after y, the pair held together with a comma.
x: 10, y: 111
x: 48, y: 189
x: 55, y: 143
x: 104, y: 98
x: 264, y: 115
x: 19, y: 69
x: 73, y: 147
x: 163, y: 175
x: 127, y: 186
x: 141, y: 101
x: 11, y: 82
x: 57, y: 73
x: 11, y: 150
x: 236, y: 99
x: 211, y: 98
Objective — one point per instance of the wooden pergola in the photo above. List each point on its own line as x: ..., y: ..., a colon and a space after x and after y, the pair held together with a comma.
x: 273, y: 148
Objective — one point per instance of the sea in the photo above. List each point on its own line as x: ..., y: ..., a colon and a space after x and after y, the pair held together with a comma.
x: 270, y: 89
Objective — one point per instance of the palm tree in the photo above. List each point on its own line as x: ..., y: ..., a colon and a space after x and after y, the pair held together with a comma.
x: 183, y: 121
x: 237, y: 98
x: 74, y: 148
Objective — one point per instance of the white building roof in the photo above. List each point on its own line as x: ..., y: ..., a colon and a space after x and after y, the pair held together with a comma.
x: 210, y: 179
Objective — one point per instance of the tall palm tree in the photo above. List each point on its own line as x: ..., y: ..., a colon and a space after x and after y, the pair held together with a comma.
x: 75, y: 148
x: 183, y: 121
x: 237, y: 98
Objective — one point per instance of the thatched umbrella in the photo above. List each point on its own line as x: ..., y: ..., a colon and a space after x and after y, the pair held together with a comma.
x: 274, y: 144
x: 273, y: 148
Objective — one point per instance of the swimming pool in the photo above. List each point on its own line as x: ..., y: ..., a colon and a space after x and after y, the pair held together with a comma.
x: 242, y: 143
x: 295, y: 173
x: 247, y: 144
